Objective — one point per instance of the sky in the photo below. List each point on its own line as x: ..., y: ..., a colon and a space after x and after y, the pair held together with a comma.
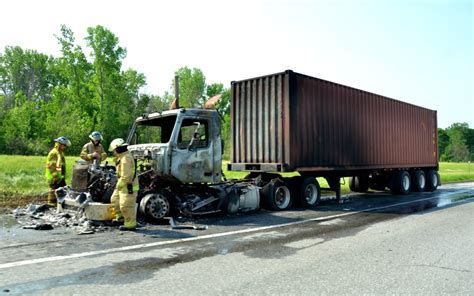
x: 420, y: 52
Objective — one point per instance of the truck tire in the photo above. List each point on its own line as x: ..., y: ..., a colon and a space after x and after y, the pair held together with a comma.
x: 432, y: 180
x: 154, y: 206
x: 400, y: 182
x: 276, y: 196
x: 308, y: 193
x: 108, y: 194
x: 359, y: 184
x: 418, y: 181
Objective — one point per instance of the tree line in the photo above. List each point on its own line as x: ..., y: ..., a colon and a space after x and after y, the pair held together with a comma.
x: 43, y: 97
x: 456, y: 143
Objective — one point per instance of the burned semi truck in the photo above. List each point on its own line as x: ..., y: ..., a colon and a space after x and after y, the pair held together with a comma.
x: 284, y: 122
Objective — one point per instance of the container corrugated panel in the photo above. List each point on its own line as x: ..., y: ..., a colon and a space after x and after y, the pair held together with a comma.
x: 307, y: 124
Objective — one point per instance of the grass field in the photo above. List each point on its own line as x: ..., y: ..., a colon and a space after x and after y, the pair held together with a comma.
x: 22, y: 177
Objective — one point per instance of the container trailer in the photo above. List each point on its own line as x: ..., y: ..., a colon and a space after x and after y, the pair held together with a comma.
x: 283, y: 122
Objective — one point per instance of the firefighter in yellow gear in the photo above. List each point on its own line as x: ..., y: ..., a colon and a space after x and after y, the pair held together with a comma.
x: 56, y: 168
x: 123, y: 198
x: 93, y: 149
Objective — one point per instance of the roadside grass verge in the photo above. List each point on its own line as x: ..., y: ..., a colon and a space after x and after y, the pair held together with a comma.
x: 22, y: 178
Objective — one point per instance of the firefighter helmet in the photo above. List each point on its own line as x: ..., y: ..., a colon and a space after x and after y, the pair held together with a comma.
x: 96, y: 136
x: 63, y: 140
x: 117, y: 143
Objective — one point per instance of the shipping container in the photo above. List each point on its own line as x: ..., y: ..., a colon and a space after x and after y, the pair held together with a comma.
x: 293, y: 122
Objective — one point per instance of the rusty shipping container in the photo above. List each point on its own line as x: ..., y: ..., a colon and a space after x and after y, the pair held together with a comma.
x: 293, y: 122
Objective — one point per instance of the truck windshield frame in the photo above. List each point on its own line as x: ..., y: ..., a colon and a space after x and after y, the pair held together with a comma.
x: 154, y: 130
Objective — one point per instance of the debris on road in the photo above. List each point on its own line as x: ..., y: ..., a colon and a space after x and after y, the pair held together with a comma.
x: 193, y: 227
x: 44, y: 217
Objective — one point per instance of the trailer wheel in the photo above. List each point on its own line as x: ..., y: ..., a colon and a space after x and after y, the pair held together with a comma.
x: 309, y: 193
x: 359, y: 183
x: 400, y: 182
x: 432, y: 180
x: 154, y: 206
x: 276, y: 195
x: 418, y: 181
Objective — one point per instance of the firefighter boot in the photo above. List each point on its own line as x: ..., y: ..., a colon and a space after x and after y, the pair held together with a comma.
x: 52, y: 198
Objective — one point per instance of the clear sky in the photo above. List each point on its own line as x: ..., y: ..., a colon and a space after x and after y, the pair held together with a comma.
x: 416, y: 51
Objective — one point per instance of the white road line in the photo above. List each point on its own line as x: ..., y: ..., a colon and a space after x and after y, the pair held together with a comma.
x: 203, y: 237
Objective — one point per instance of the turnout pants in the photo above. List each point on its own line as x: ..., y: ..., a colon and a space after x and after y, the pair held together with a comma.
x: 53, y: 185
x: 124, y: 206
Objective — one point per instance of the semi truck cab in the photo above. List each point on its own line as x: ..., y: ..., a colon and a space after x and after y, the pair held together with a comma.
x: 180, y: 145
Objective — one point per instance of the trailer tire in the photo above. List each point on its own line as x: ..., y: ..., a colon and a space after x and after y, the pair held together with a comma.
x: 154, y: 206
x: 308, y: 193
x: 276, y: 195
x: 432, y: 180
x: 359, y: 183
x: 418, y: 181
x: 400, y: 182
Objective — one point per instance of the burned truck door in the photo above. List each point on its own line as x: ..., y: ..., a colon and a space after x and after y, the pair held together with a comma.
x: 192, y: 156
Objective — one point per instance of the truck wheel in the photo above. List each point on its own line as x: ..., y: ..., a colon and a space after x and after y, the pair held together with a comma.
x: 432, y: 180
x: 359, y: 184
x: 309, y: 193
x: 400, y: 182
x: 418, y: 181
x: 154, y: 206
x: 276, y: 195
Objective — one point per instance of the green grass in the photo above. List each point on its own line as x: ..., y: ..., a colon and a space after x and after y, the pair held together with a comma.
x: 24, y: 175
x: 455, y: 171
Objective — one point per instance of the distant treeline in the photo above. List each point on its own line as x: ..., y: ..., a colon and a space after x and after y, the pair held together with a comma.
x: 456, y: 143
x: 43, y: 97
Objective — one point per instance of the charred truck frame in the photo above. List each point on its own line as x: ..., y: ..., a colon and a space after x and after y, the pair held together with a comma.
x: 284, y: 122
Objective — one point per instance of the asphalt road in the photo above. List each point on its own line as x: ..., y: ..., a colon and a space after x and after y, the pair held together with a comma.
x: 370, y: 244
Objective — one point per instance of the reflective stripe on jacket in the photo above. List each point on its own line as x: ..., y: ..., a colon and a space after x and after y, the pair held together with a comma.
x: 55, y: 166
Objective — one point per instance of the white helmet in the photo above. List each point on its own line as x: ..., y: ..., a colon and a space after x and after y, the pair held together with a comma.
x: 117, y: 143
x: 96, y: 136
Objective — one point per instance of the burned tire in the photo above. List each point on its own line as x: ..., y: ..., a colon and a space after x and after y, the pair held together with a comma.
x: 308, y: 193
x: 359, y: 184
x: 432, y: 180
x: 418, y: 181
x: 108, y: 194
x: 400, y: 182
x: 276, y: 196
x: 154, y: 206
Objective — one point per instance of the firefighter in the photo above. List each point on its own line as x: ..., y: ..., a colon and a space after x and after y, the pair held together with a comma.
x: 93, y: 149
x: 56, y: 168
x: 123, y: 198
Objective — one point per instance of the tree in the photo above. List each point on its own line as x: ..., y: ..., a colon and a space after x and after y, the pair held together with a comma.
x: 457, y: 150
x: 25, y: 71
x: 443, y: 142
x: 76, y: 73
x: 109, y: 84
x: 192, y: 84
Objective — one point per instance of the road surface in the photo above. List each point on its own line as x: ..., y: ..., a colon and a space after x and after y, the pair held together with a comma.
x: 371, y: 243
